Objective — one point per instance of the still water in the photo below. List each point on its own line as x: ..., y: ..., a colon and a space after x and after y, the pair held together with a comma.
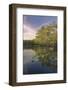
x: 39, y: 61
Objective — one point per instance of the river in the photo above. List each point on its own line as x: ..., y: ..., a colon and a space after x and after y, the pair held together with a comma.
x: 39, y: 60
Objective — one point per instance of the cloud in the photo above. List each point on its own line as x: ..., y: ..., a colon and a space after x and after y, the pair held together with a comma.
x: 29, y: 32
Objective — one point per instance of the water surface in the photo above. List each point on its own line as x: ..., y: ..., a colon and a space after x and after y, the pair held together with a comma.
x: 39, y: 60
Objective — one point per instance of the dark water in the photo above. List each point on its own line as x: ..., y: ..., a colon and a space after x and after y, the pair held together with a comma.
x: 40, y: 60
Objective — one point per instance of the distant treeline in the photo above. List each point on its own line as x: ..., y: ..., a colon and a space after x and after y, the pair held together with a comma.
x: 31, y: 44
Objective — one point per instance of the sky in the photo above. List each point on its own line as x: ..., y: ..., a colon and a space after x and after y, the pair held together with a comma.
x: 31, y: 24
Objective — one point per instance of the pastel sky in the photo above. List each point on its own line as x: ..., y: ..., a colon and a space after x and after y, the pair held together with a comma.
x: 32, y: 23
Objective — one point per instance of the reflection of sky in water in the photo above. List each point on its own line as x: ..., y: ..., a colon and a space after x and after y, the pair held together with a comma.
x: 32, y: 65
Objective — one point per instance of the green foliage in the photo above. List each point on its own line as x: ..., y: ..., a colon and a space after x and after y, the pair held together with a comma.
x: 46, y: 35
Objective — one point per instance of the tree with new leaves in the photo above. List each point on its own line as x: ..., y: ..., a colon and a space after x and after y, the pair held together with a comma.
x: 46, y: 35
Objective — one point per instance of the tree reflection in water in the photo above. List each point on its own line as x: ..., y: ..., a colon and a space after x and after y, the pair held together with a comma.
x: 47, y: 56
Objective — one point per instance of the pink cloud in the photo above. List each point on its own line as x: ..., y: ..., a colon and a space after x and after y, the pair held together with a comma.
x: 29, y: 33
